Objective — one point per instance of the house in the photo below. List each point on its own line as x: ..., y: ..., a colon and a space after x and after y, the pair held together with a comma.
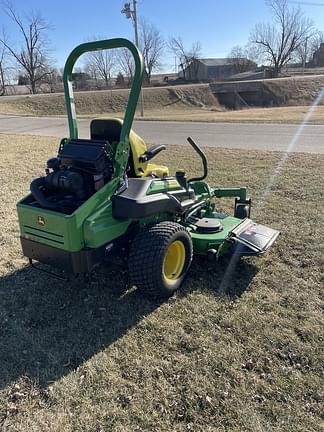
x: 214, y: 69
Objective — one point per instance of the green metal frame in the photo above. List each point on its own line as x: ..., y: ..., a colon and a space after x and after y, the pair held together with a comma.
x: 122, y: 151
x: 230, y: 192
x: 92, y: 224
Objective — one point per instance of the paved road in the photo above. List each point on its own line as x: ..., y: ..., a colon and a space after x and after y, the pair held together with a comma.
x: 228, y: 135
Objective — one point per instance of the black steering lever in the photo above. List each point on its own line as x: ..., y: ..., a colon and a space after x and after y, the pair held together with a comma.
x: 202, y: 155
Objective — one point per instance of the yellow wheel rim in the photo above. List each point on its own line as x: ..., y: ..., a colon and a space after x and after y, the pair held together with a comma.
x: 174, y: 261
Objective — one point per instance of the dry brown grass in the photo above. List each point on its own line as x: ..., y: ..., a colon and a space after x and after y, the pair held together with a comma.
x: 294, y: 115
x: 182, y: 103
x: 181, y: 112
x: 99, y: 102
x: 298, y: 90
x: 96, y: 357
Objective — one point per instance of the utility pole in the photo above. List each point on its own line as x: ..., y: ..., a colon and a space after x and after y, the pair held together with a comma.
x: 132, y: 13
x: 305, y: 55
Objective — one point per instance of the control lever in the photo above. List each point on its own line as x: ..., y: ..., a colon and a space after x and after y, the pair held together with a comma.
x: 202, y: 155
x: 182, y: 179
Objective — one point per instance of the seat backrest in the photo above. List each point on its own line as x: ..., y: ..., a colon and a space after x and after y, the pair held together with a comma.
x: 110, y: 129
x: 106, y: 129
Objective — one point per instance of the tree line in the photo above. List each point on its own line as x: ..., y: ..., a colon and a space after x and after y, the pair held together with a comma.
x: 30, y: 57
x: 290, y: 36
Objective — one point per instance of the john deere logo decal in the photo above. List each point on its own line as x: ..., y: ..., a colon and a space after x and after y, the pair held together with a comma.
x: 40, y: 220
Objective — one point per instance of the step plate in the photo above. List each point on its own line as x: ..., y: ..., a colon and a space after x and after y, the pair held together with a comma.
x: 252, y: 238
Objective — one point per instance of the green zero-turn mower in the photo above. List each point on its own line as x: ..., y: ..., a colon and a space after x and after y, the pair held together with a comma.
x: 103, y: 194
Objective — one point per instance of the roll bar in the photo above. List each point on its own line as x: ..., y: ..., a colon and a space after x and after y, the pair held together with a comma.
x: 134, y: 93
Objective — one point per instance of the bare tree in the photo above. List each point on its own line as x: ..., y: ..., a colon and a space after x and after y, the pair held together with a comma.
x: 152, y: 47
x: 239, y: 57
x: 3, y: 69
x: 126, y: 64
x: 316, y: 40
x: 280, y: 40
x: 100, y: 64
x: 186, y: 57
x: 120, y: 80
x: 32, y: 54
x: 305, y: 51
x: 53, y: 81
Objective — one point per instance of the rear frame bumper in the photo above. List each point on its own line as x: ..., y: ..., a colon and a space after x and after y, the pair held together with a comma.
x: 82, y: 261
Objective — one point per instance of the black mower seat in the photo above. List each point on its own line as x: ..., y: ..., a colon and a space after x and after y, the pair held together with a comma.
x: 110, y: 129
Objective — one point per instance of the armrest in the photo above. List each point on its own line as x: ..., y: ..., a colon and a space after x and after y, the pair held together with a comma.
x: 151, y: 152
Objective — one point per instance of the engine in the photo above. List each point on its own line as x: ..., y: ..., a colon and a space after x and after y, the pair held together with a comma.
x: 80, y: 169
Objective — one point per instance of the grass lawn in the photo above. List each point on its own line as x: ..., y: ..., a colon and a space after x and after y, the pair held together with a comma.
x: 285, y: 115
x: 245, y: 355
x: 278, y: 115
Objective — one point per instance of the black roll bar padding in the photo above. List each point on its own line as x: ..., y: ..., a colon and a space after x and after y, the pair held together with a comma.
x: 197, y: 149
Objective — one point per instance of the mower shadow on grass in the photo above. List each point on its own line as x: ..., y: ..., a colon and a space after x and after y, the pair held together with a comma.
x: 49, y: 327
x: 230, y: 277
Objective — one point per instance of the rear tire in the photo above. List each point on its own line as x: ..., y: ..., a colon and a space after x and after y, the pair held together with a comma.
x: 160, y: 258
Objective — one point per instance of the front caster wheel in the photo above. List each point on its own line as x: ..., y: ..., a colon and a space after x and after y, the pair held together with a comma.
x: 242, y: 211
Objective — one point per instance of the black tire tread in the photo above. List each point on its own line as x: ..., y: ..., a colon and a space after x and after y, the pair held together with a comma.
x: 146, y: 254
x: 242, y: 211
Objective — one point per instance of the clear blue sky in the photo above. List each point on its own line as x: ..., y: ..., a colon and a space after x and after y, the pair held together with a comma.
x: 217, y: 24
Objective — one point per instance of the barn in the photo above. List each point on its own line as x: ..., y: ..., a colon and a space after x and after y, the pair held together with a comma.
x: 214, y: 69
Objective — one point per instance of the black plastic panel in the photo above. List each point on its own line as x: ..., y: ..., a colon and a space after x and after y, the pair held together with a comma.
x: 86, y: 155
x: 72, y: 262
x: 133, y: 203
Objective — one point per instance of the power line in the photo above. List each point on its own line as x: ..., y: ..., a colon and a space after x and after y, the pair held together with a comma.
x: 306, y: 3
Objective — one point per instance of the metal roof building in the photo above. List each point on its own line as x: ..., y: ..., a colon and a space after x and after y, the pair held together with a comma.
x: 213, y: 69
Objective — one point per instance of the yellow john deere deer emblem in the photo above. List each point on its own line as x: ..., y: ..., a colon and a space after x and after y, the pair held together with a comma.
x: 40, y: 220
